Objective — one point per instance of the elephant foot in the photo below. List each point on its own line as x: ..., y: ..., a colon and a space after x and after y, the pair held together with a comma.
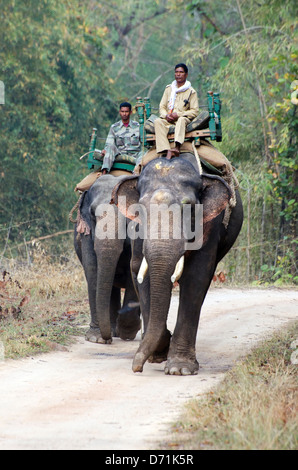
x: 144, y: 352
x: 128, y: 324
x: 157, y: 358
x: 93, y: 335
x: 178, y: 366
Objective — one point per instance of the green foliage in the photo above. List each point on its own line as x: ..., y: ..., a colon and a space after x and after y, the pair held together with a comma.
x: 252, y: 53
x: 284, y: 117
x: 143, y: 40
x: 66, y: 66
x: 55, y: 92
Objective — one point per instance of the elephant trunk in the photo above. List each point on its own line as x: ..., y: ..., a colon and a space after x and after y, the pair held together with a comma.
x: 162, y: 268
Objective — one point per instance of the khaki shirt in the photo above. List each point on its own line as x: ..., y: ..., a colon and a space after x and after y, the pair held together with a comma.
x: 122, y: 140
x: 188, y: 108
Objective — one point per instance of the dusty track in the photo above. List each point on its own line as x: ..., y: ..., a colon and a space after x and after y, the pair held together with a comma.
x: 88, y: 397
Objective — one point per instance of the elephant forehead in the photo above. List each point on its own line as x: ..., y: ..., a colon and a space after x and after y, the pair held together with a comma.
x: 175, y: 171
x: 162, y: 169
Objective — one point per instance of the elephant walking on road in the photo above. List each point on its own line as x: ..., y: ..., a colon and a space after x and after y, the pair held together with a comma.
x: 158, y: 261
x: 105, y: 258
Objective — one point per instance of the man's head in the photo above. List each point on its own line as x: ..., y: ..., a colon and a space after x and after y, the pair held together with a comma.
x: 181, y: 73
x: 125, y: 111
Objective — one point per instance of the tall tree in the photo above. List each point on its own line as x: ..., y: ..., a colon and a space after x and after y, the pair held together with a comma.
x: 248, y: 51
x: 56, y: 90
x: 144, y: 41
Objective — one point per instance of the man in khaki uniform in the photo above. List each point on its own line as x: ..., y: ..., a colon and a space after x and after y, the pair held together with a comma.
x: 179, y: 106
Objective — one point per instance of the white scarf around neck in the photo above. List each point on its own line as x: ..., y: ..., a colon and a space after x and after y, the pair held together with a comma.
x: 175, y: 90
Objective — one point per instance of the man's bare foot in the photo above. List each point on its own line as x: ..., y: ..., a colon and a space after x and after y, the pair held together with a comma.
x: 173, y: 153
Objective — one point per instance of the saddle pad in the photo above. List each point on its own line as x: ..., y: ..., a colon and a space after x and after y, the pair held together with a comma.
x: 206, y: 151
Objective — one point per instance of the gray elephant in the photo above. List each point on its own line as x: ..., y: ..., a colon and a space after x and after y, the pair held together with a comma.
x: 190, y: 259
x: 105, y: 257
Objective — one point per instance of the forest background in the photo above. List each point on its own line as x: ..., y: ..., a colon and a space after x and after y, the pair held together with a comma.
x: 66, y: 65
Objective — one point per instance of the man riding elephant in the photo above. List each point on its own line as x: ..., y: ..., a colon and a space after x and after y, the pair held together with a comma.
x: 123, y: 137
x: 105, y: 257
x: 179, y: 106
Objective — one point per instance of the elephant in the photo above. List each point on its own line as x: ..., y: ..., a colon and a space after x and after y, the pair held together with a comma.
x: 105, y: 258
x: 159, y: 261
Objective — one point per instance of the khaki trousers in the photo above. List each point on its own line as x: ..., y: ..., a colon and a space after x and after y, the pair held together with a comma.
x: 162, y: 127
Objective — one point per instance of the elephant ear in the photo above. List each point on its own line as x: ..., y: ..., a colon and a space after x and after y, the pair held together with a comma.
x: 125, y: 194
x: 215, y: 196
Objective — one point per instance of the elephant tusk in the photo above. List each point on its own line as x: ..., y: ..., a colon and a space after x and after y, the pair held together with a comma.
x: 178, y: 270
x: 142, y: 271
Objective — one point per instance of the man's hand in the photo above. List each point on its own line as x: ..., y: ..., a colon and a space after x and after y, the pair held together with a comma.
x: 103, y: 152
x: 104, y: 171
x: 172, y: 117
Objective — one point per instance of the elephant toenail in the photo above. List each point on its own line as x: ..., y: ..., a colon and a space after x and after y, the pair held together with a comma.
x: 185, y: 371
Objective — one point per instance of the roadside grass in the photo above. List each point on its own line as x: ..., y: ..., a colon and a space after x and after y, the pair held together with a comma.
x: 42, y: 306
x: 253, y: 408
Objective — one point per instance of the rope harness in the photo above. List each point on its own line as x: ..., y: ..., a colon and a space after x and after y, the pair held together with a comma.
x: 75, y: 207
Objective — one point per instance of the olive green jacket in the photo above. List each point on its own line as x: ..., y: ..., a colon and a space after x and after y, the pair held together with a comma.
x: 122, y: 140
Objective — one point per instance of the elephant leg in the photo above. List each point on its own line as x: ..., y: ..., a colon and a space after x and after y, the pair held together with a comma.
x: 194, y: 285
x: 144, y: 296
x: 115, y: 306
x: 108, y: 254
x: 129, y: 322
x: 161, y: 352
x: 144, y: 287
x: 88, y: 259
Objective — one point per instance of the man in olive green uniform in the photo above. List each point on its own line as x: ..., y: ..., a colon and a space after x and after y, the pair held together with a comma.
x: 179, y: 106
x: 123, y: 138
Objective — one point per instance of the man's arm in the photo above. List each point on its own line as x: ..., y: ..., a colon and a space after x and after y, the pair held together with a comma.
x: 164, y: 108
x: 110, y: 152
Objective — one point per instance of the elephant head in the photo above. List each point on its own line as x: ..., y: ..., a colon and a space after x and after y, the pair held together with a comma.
x: 167, y: 195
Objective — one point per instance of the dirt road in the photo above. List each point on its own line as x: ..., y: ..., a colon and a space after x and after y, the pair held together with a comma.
x: 88, y: 397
